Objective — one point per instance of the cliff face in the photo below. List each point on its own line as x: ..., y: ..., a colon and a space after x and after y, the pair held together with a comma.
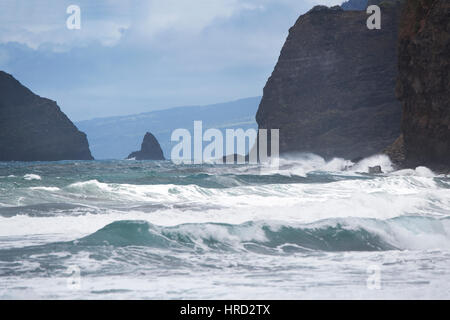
x: 34, y: 128
x: 423, y: 83
x: 150, y: 149
x: 333, y: 89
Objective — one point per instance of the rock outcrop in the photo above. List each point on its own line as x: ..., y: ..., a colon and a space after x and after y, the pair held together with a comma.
x: 396, y: 152
x: 150, y: 149
x: 333, y: 89
x: 33, y: 128
x: 375, y: 170
x: 423, y: 83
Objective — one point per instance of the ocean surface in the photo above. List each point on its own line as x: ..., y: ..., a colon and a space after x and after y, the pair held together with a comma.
x: 155, y: 230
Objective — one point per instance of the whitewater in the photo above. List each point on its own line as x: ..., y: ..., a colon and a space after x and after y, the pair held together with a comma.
x: 310, y: 229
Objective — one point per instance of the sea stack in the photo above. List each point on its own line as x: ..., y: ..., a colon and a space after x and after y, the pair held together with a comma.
x: 33, y: 128
x: 423, y: 84
x: 332, y: 92
x: 150, y: 149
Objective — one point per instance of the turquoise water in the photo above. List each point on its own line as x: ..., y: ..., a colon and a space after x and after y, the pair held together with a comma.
x: 155, y: 230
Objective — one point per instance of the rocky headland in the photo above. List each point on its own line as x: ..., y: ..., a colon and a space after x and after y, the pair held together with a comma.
x: 33, y: 128
x: 332, y: 92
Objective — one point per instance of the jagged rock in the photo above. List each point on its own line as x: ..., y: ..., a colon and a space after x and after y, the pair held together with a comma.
x: 150, y: 149
x: 33, y: 128
x: 375, y: 170
x: 423, y: 83
x: 333, y: 89
x: 319, y: 8
x: 396, y: 152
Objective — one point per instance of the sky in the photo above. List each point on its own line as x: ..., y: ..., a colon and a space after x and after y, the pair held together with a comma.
x: 133, y: 56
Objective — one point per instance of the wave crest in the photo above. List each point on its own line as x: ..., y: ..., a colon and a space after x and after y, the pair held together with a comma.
x: 351, y: 234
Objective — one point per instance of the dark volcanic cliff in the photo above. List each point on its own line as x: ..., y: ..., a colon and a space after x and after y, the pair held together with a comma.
x: 34, y: 128
x: 423, y: 83
x: 333, y: 89
x: 150, y: 149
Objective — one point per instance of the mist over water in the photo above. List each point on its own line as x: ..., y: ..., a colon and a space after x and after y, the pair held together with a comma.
x: 310, y: 229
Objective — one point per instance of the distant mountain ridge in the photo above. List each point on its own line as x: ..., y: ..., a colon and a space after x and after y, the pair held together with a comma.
x: 116, y: 137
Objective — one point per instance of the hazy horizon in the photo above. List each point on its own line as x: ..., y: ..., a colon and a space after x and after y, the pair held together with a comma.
x: 166, y: 109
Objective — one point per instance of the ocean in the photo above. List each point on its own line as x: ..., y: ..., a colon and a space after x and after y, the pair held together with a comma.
x: 311, y: 229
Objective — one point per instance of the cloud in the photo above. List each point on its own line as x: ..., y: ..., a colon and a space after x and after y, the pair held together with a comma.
x: 193, y: 16
x: 106, y: 33
x: 134, y: 56
x: 43, y: 23
x: 187, y: 16
x: 326, y: 2
x: 4, y: 57
x: 39, y: 24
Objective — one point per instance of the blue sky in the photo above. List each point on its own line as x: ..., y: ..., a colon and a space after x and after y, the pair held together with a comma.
x: 134, y: 56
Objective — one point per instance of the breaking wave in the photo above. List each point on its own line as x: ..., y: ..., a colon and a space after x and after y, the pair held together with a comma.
x: 140, y: 221
x: 267, y: 237
x: 352, y: 234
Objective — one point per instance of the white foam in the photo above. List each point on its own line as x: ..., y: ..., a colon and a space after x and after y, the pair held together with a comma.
x: 396, y: 194
x: 51, y: 189
x: 31, y: 176
x: 304, y: 163
x: 419, y: 172
x: 376, y: 160
x: 405, y: 275
x: 382, y: 198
